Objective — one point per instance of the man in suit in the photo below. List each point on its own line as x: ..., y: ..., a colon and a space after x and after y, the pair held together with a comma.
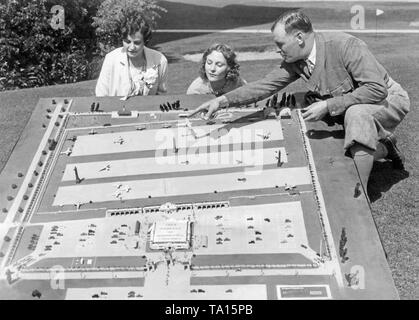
x: 345, y: 80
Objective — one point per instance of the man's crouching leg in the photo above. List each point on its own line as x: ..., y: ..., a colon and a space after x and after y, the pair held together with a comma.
x: 364, y: 137
x: 364, y: 158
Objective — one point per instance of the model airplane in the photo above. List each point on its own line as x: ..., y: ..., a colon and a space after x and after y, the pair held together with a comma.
x: 120, y: 140
x: 106, y: 168
x: 117, y: 194
x: 67, y: 152
x: 265, y: 136
x: 290, y: 187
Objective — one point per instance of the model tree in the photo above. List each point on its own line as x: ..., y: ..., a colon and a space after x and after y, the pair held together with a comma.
x: 36, y: 294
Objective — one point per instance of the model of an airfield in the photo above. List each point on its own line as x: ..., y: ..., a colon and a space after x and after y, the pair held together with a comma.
x: 126, y: 200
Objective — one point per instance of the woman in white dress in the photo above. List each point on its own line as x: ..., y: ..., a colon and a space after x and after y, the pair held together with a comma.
x: 133, y: 69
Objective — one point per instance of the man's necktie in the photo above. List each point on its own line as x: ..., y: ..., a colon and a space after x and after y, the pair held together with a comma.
x: 310, y: 66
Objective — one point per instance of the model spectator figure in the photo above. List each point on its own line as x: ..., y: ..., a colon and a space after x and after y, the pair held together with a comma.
x: 218, y: 73
x: 344, y: 80
x: 133, y: 69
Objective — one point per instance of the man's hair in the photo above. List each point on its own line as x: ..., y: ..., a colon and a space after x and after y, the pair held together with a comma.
x: 229, y: 55
x: 294, y: 20
x: 133, y: 24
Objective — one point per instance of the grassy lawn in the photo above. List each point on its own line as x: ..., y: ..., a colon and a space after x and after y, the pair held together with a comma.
x: 394, y: 194
x: 219, y: 14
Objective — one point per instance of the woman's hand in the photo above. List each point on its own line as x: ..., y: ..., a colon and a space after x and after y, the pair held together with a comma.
x: 209, y: 108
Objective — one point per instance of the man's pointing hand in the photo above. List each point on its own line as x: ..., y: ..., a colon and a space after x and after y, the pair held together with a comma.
x: 209, y: 108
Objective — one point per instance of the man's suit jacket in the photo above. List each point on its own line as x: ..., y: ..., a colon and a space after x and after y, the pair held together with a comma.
x: 346, y: 73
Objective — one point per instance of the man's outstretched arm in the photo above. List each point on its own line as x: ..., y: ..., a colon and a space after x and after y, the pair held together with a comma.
x: 277, y: 79
x: 258, y: 90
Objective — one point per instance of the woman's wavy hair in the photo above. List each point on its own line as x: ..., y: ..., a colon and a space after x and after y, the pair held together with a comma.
x: 229, y: 55
x: 134, y: 24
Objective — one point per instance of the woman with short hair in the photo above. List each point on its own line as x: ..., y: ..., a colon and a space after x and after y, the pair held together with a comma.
x: 133, y: 69
x: 219, y: 72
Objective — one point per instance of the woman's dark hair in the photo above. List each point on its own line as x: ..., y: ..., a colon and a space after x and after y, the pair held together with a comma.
x: 229, y: 55
x: 134, y: 24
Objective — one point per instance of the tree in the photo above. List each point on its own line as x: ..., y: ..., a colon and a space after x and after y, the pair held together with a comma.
x: 112, y: 14
x: 32, y: 53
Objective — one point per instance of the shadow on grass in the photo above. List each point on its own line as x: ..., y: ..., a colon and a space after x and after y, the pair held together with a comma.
x: 383, y: 177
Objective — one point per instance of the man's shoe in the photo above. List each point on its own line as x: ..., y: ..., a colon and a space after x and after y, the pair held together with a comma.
x: 394, y: 153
